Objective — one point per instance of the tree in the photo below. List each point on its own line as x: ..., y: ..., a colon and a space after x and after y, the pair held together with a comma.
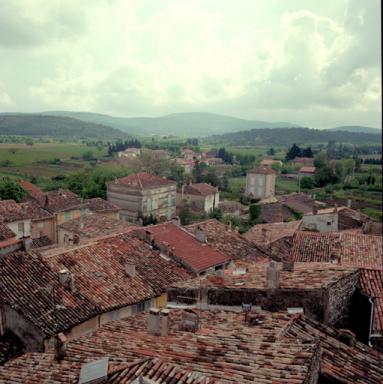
x: 88, y: 156
x: 271, y: 151
x: 11, y: 190
x: 307, y: 183
x: 186, y: 215
x: 216, y: 213
x: 307, y: 152
x: 254, y: 212
x: 293, y: 152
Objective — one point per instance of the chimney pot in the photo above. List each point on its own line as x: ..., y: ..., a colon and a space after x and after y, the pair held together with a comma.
x: 154, y: 321
x: 272, y: 276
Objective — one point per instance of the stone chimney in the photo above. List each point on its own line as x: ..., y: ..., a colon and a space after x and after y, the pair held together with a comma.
x: 335, y: 208
x: 315, y: 210
x: 65, y: 277
x: 189, y: 322
x: 130, y: 269
x: 349, y: 202
x: 60, y: 346
x: 203, y: 298
x: 154, y: 321
x: 358, y: 216
x: 164, y: 321
x: 264, y: 235
x: 27, y: 244
x: 272, y: 276
x: 200, y: 235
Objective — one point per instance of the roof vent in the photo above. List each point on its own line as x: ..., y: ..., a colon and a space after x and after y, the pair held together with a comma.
x: 94, y: 372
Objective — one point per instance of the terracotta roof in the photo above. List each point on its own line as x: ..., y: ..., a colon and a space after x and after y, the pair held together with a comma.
x: 29, y: 187
x: 340, y: 363
x: 59, y: 200
x: 186, y: 248
x: 142, y: 180
x: 184, y: 161
x: 281, y: 348
x: 268, y: 233
x: 10, y: 211
x: 357, y: 250
x: 24, y: 277
x: 6, y: 233
x: 303, y: 160
x: 202, y: 189
x: 274, y: 213
x: 371, y: 282
x: 307, y: 169
x: 227, y: 240
x: 299, y: 202
x: 96, y: 204
x: 304, y: 276
x: 100, y: 276
x: 35, y: 367
x: 35, y: 212
x: 94, y: 225
x: 224, y: 348
x: 10, y: 346
x: 263, y: 170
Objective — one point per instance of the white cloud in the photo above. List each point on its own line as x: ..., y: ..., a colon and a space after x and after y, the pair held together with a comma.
x: 144, y: 57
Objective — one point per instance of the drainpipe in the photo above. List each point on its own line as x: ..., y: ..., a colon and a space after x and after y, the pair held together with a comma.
x: 371, y: 320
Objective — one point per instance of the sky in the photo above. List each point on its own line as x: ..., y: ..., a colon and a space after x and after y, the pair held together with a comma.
x: 311, y: 62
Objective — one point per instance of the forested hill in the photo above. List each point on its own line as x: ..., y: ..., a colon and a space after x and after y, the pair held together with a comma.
x: 288, y: 136
x: 32, y: 125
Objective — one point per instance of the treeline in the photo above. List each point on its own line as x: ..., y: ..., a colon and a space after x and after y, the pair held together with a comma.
x: 37, y: 126
x: 296, y: 151
x: 373, y: 161
x: 120, y: 145
x: 288, y: 136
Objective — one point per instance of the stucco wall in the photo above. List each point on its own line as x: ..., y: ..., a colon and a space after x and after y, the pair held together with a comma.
x: 321, y: 222
x: 14, y: 226
x: 44, y: 227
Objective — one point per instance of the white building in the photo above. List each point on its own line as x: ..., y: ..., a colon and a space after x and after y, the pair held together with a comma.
x: 323, y: 220
x: 260, y: 182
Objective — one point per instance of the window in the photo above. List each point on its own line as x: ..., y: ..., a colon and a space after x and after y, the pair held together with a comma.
x: 149, y: 204
x: 20, y: 228
x: 67, y: 215
x: 170, y: 200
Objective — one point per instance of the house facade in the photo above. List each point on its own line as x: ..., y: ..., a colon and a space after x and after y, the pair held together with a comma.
x: 260, y: 182
x: 141, y: 195
x: 201, y: 197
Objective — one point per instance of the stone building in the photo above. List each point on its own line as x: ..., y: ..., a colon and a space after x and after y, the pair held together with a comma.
x: 260, y: 183
x: 323, y: 220
x: 141, y: 195
x: 202, y: 197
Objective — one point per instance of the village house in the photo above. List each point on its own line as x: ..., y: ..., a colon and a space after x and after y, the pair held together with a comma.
x: 212, y: 161
x: 226, y: 240
x: 307, y: 171
x: 104, y: 207
x: 187, y: 165
x: 88, y: 227
x: 260, y: 183
x: 322, y: 291
x: 8, y: 240
x: 74, y: 291
x: 322, y: 220
x: 129, y: 153
x: 270, y: 162
x: 204, y: 346
x: 142, y: 195
x: 350, y: 250
x: 201, y: 197
x: 16, y: 217
x: 305, y: 161
x: 274, y: 239
x: 189, y: 154
x: 189, y: 250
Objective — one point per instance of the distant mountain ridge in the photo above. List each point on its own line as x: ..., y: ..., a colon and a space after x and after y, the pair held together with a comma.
x: 188, y: 124
x: 37, y: 125
x: 288, y: 136
x: 356, y: 128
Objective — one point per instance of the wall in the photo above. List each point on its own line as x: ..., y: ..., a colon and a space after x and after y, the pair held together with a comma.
x: 339, y: 299
x: 32, y: 338
x: 44, y: 227
x: 14, y: 226
x: 321, y: 222
x: 260, y: 186
x: 159, y: 198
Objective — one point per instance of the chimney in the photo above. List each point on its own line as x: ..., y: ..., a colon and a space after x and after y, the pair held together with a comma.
x: 154, y: 321
x: 203, y: 299
x: 366, y: 227
x: 200, y: 235
x: 60, y: 346
x: 182, y: 192
x: 349, y: 203
x: 65, y: 277
x: 130, y: 269
x: 27, y: 243
x: 264, y: 235
x: 346, y: 336
x: 164, y: 322
x: 288, y: 265
x: 72, y: 283
x: 189, y: 322
x: 149, y: 237
x: 272, y: 276
x: 176, y: 221
x: 315, y: 210
x: 358, y: 217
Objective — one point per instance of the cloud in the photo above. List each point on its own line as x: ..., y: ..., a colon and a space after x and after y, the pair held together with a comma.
x: 139, y: 57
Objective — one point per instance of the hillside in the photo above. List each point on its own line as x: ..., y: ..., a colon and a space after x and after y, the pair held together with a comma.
x: 288, y: 136
x: 356, y: 128
x: 194, y: 124
x: 34, y: 125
